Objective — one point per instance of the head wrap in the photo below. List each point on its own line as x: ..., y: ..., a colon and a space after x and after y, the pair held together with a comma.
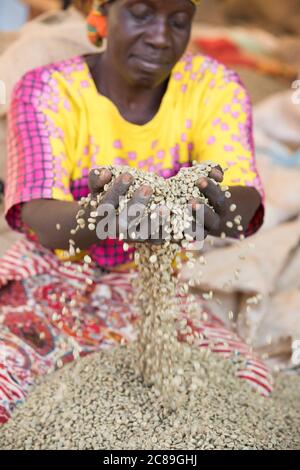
x: 97, y: 25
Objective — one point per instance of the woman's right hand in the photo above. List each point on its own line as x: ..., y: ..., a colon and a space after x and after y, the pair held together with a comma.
x: 131, y: 223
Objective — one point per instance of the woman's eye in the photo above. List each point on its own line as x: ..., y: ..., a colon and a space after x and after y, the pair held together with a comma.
x: 140, y: 12
x: 179, y: 25
x: 180, y: 22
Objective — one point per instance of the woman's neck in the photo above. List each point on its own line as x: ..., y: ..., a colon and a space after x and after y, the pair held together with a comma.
x: 137, y: 105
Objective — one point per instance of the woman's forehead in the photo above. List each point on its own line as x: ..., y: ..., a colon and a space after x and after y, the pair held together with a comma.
x: 183, y: 4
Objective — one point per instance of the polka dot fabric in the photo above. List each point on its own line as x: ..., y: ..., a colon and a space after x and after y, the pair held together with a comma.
x: 60, y: 127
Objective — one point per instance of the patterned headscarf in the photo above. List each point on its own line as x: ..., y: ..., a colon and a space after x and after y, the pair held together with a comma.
x: 97, y: 25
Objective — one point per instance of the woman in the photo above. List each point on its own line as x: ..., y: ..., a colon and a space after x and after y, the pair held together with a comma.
x: 140, y: 103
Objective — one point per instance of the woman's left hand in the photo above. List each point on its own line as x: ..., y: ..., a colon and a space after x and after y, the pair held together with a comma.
x: 233, y: 207
x: 213, y: 218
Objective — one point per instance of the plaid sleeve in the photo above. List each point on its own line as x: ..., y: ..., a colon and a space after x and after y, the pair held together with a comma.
x: 224, y: 134
x: 38, y: 162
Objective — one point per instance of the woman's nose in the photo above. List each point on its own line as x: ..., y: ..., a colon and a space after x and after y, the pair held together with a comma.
x: 158, y: 34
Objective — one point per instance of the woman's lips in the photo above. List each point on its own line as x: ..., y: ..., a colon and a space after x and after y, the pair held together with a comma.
x: 149, y: 65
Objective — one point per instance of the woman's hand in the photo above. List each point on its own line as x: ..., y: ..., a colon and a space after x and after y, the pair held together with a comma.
x: 131, y: 225
x: 234, y: 208
x: 217, y: 200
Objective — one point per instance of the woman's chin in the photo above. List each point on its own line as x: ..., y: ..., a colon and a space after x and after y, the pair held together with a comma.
x: 149, y: 76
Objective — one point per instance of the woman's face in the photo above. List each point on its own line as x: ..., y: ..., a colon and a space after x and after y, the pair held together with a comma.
x: 147, y: 37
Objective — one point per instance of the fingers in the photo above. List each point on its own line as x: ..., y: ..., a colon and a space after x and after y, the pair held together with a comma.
x: 132, y: 214
x: 98, y: 179
x: 214, y: 194
x: 211, y: 219
x: 204, y: 215
x: 217, y: 174
x: 118, y: 189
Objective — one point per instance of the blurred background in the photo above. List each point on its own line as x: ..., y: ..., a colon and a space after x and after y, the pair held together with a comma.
x: 260, y: 39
